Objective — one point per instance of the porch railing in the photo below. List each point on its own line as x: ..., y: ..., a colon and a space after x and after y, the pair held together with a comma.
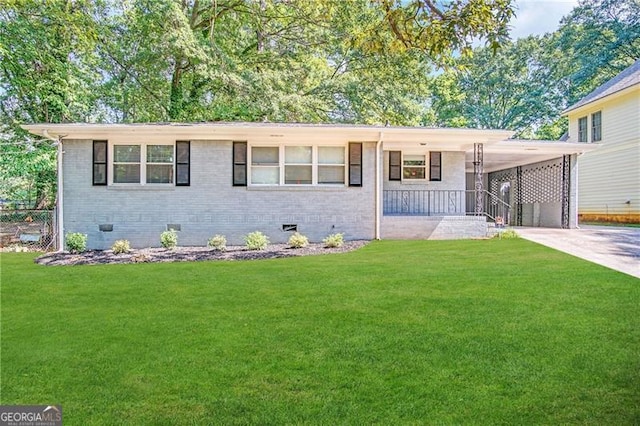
x: 493, y: 207
x: 424, y: 203
x: 443, y: 202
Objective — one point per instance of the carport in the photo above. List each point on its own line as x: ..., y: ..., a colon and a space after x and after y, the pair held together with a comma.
x: 537, y: 179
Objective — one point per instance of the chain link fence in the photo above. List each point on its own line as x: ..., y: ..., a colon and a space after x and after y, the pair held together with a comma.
x: 27, y: 230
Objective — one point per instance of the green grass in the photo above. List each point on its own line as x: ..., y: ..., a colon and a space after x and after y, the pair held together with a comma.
x: 450, y: 332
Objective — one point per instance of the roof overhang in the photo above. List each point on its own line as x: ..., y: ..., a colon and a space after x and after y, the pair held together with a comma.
x: 500, y: 152
x: 575, y: 109
x: 401, y: 137
x: 512, y: 153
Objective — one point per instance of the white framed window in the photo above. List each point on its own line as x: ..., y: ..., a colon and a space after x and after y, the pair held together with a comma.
x: 297, y: 165
x: 126, y: 163
x: 582, y: 129
x: 159, y: 164
x: 596, y: 126
x: 142, y: 163
x: 331, y: 165
x: 414, y: 167
x: 265, y: 165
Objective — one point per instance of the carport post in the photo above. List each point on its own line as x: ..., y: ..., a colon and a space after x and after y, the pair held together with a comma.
x: 477, y: 170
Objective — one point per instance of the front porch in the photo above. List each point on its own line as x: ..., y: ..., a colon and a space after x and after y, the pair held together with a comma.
x: 429, y: 191
x: 441, y: 214
x: 412, y: 202
x: 434, y: 227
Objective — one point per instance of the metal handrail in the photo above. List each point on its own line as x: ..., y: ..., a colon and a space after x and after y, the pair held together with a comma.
x: 412, y: 202
x: 495, y: 208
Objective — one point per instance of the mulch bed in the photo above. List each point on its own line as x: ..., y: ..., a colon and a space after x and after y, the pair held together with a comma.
x: 190, y: 254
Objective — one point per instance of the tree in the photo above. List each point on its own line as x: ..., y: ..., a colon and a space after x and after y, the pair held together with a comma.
x: 441, y: 28
x: 518, y: 88
x: 44, y: 77
x: 600, y: 38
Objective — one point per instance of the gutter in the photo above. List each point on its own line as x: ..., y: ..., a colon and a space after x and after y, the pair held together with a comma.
x: 378, y: 187
x: 59, y: 199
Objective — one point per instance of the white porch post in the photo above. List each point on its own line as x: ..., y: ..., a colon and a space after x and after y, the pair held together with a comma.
x: 378, y: 186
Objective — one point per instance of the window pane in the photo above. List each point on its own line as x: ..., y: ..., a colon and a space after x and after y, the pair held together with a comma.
x: 582, y: 129
x: 126, y: 153
x: 413, y: 172
x: 414, y: 160
x: 126, y: 173
x: 330, y: 155
x: 159, y: 173
x: 265, y: 175
x: 159, y: 153
x: 297, y: 154
x: 264, y: 155
x: 297, y: 175
x: 331, y: 174
x: 596, y: 120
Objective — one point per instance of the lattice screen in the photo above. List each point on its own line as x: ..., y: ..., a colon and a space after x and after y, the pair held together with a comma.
x: 537, y: 183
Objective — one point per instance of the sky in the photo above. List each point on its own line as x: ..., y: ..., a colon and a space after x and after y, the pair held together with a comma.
x: 537, y: 17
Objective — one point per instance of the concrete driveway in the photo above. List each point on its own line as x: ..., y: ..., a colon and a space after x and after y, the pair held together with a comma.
x: 614, y: 247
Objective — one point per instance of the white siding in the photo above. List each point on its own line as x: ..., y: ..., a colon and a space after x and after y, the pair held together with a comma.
x: 609, y: 177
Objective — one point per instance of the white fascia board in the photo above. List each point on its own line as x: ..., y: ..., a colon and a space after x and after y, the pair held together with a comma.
x: 541, y: 147
x: 443, y: 138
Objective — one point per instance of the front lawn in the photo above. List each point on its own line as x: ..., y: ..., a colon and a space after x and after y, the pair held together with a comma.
x: 453, y: 332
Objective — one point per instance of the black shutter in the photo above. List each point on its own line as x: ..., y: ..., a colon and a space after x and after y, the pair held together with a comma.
x: 395, y: 166
x: 239, y: 164
x: 183, y: 163
x: 99, y: 163
x: 435, y: 166
x: 355, y: 164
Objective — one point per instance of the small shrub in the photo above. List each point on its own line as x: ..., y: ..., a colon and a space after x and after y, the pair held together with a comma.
x: 121, y: 247
x: 507, y: 234
x: 169, y: 239
x: 256, y: 241
x: 334, y: 240
x: 297, y: 240
x: 217, y: 242
x: 76, y: 242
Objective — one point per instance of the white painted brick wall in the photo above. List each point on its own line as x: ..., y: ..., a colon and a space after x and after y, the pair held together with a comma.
x: 453, y: 174
x: 211, y: 205
x: 433, y: 227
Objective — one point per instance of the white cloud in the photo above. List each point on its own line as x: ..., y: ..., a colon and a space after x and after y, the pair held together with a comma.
x: 537, y: 17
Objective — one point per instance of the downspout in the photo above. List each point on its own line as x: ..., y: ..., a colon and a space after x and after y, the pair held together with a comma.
x: 378, y: 186
x: 577, y: 173
x: 59, y: 199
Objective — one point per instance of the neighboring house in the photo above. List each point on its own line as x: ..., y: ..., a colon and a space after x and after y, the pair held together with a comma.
x: 134, y: 181
x: 609, y: 177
